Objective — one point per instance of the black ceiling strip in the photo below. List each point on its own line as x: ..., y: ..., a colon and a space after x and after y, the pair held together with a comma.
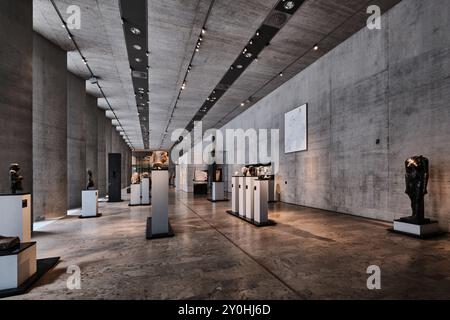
x: 135, y: 28
x: 277, y: 18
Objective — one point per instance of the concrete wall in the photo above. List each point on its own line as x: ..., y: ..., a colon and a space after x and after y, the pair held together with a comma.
x: 391, y: 84
x: 76, y: 139
x: 91, y: 137
x: 49, y: 129
x: 101, y: 149
x: 16, y: 82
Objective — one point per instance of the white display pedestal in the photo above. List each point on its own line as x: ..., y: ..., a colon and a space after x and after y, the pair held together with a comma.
x: 235, y: 194
x: 89, y: 204
x: 242, y: 196
x: 158, y: 225
x: 15, y: 216
x: 218, y: 191
x: 145, y: 191
x: 135, y: 195
x: 17, y: 266
x: 260, y: 201
x: 249, y: 197
x: 417, y: 230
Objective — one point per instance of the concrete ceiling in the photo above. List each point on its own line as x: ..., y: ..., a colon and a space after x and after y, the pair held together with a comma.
x: 173, y: 28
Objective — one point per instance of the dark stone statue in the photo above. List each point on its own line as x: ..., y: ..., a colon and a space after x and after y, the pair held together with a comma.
x: 90, y: 185
x: 416, y: 179
x: 15, y: 178
x: 7, y: 243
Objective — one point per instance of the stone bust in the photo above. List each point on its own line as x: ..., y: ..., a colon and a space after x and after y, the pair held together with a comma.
x: 90, y: 184
x: 15, y: 178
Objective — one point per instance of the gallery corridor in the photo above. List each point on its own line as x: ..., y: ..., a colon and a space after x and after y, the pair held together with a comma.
x: 309, y: 254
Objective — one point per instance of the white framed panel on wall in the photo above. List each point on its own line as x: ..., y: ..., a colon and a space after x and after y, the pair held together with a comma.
x: 296, y: 129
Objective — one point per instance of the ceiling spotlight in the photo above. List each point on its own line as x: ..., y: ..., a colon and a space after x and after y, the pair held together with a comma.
x: 281, y: 74
x: 248, y: 55
x: 137, y: 47
x: 138, y: 60
x: 239, y: 66
x: 289, y: 5
x: 197, y: 49
x: 183, y: 86
x: 231, y: 68
x: 251, y: 42
x: 135, y: 31
x: 257, y: 33
x: 84, y: 60
x: 203, y: 30
x: 316, y: 47
x: 242, y: 104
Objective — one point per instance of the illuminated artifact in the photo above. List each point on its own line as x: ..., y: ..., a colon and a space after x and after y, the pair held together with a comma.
x: 416, y: 179
x: 15, y: 178
x: 160, y: 160
x: 135, y: 178
x: 90, y: 185
x: 8, y: 243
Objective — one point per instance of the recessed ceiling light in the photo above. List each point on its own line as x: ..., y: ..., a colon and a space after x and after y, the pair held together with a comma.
x: 281, y: 74
x: 242, y: 104
x: 257, y: 33
x: 138, y: 60
x: 239, y: 66
x: 135, y: 31
x: 203, y: 31
x: 137, y: 47
x: 248, y: 54
x: 289, y: 5
x: 316, y: 47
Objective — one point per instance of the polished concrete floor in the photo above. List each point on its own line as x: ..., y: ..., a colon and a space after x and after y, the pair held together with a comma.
x: 309, y: 254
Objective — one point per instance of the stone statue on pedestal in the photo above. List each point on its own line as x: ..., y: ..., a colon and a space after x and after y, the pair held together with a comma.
x: 90, y: 185
x: 15, y: 178
x: 416, y: 179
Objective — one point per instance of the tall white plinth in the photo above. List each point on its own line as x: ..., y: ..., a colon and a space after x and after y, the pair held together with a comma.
x: 135, y: 196
x: 89, y: 203
x: 249, y: 198
x: 160, y: 202
x: 260, y: 195
x: 218, y: 191
x: 145, y: 191
x: 17, y: 266
x: 242, y: 196
x: 235, y: 194
x: 15, y: 216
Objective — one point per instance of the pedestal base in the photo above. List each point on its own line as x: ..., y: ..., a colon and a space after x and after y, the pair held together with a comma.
x: 223, y: 200
x: 423, y: 231
x: 151, y: 236
x: 98, y: 215
x: 89, y: 203
x: 43, y: 266
x: 253, y: 222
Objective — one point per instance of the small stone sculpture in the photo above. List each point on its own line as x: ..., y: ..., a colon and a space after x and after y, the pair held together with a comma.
x: 135, y: 178
x: 416, y: 179
x: 15, y: 178
x: 90, y: 185
x: 8, y: 243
